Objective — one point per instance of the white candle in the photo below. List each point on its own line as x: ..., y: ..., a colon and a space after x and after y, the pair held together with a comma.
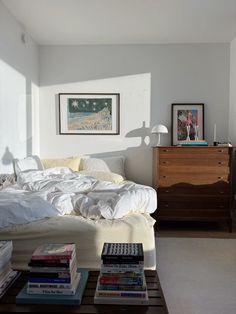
x: 214, y: 138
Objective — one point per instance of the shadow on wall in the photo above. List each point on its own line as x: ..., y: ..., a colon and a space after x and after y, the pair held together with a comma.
x: 7, y: 158
x: 138, y: 160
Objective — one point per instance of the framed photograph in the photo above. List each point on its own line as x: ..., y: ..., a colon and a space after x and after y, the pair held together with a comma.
x: 187, y: 122
x: 89, y: 113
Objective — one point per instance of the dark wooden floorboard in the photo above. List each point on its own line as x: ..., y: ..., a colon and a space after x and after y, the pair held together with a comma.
x: 156, y: 304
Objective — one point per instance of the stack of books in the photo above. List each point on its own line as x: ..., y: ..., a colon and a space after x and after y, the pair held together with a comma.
x: 54, y: 277
x: 7, y: 275
x: 122, y: 279
x: 53, y: 270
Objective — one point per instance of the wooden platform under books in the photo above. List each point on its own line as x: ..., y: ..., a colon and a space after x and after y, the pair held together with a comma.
x: 156, y: 304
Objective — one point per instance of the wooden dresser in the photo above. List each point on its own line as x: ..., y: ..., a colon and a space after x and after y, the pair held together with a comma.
x: 193, y: 183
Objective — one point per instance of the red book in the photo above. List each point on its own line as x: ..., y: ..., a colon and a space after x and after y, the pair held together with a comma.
x: 54, y: 252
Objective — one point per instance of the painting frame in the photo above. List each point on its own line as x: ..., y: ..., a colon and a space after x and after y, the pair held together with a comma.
x: 89, y: 113
x: 187, y: 122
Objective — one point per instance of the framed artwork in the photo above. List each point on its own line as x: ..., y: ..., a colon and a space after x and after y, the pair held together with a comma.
x: 89, y: 113
x: 187, y: 122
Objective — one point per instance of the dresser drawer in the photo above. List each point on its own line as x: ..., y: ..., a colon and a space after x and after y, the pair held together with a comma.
x: 197, y: 214
x: 184, y: 189
x: 193, y: 170
x: 195, y: 179
x: 191, y: 202
x: 219, y: 162
x: 193, y: 152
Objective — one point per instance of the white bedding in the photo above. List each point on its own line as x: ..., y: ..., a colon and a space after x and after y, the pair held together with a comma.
x: 69, y: 192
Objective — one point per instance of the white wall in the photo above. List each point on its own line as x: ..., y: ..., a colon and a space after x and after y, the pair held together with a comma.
x: 134, y: 115
x: 18, y: 91
x: 179, y: 73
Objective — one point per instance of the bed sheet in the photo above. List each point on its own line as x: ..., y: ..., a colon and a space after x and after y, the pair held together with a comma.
x: 89, y: 236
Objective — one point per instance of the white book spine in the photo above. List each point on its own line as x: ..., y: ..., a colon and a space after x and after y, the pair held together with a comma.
x: 122, y: 300
x: 49, y: 286
x: 51, y: 291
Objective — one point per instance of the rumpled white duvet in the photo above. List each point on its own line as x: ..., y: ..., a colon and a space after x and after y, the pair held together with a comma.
x: 59, y: 191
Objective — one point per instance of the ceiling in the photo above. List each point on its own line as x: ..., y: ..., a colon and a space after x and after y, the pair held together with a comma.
x: 73, y: 22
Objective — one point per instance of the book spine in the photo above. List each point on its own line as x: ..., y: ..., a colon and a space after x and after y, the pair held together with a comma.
x: 51, y: 275
x: 50, y: 285
x: 51, y: 291
x: 121, y: 260
x: 37, y: 269
x: 120, y: 280
x: 49, y: 280
x: 122, y: 300
x: 117, y: 294
x: 47, y: 263
x: 130, y: 274
x: 122, y: 287
x: 51, y: 258
x: 121, y: 267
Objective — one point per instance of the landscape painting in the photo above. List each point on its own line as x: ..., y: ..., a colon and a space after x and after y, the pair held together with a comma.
x: 89, y: 113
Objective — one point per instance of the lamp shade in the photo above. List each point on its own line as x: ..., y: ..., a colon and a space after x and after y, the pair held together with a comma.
x: 160, y: 128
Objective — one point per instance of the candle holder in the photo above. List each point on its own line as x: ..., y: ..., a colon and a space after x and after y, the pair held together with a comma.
x: 188, y: 132
x: 196, y: 133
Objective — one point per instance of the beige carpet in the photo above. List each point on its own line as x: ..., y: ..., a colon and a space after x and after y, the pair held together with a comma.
x: 198, y: 275
x: 195, y: 230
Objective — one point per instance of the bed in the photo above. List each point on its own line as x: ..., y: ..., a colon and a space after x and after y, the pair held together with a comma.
x: 76, y: 208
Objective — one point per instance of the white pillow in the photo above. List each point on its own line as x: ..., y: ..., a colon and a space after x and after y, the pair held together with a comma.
x: 103, y: 175
x: 28, y: 163
x: 107, y: 164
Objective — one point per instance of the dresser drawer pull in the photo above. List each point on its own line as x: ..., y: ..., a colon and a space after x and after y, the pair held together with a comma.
x: 221, y: 192
x: 220, y: 206
x: 164, y: 177
x: 220, y: 150
x: 165, y: 150
x: 166, y: 205
x: 167, y: 191
x: 220, y: 178
x: 220, y: 163
x: 165, y: 162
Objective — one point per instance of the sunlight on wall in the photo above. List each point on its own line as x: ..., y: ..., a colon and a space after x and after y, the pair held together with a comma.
x: 35, y: 118
x: 133, y: 141
x: 134, y: 110
x: 13, y: 124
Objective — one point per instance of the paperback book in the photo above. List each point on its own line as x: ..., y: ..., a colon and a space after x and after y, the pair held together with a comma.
x: 121, y: 300
x: 55, y: 290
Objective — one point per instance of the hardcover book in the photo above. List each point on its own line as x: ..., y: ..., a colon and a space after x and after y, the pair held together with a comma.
x: 24, y: 298
x: 54, y: 251
x: 122, y: 253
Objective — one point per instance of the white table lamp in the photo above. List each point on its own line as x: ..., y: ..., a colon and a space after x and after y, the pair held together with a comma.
x: 159, y: 129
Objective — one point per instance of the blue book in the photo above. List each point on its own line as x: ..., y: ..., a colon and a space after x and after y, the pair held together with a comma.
x: 24, y: 298
x: 49, y: 280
